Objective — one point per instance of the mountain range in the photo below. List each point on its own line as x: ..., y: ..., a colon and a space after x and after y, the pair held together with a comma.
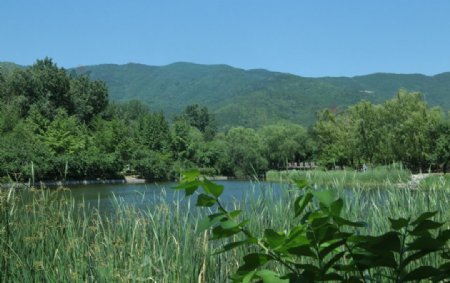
x: 253, y: 98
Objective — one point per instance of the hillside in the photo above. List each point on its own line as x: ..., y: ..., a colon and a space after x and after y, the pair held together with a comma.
x: 255, y: 97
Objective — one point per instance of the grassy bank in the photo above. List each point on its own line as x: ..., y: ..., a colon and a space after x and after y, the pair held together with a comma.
x: 378, y: 177
x: 438, y: 181
x: 48, y: 237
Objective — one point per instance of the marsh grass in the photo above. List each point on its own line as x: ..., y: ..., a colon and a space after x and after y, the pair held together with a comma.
x: 435, y: 182
x: 378, y: 177
x: 47, y: 236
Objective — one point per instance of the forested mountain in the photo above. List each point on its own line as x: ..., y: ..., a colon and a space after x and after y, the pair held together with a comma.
x: 253, y: 98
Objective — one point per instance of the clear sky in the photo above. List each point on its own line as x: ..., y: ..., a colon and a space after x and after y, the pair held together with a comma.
x: 309, y: 38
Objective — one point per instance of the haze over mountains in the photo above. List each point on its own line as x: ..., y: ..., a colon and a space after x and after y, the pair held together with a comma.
x: 252, y: 98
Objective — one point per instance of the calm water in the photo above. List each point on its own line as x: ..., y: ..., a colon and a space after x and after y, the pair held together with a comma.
x: 104, y: 195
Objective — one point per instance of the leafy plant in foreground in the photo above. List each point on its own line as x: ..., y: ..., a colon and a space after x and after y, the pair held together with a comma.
x: 325, y: 246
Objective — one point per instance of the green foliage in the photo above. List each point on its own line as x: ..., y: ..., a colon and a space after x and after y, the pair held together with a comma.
x: 283, y: 143
x: 377, y: 177
x: 200, y: 118
x: 403, y: 129
x: 244, y: 148
x: 333, y: 246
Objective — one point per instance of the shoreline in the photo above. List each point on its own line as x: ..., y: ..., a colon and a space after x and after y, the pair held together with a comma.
x: 124, y: 180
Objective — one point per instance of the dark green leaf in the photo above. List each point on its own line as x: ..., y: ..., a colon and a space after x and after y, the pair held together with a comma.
x: 400, y: 223
x: 219, y: 232
x: 333, y: 260
x: 444, y: 236
x: 424, y: 216
x: 253, y: 261
x: 414, y: 257
x: 383, y: 243
x: 330, y: 248
x: 336, y: 207
x: 420, y: 273
x: 303, y: 250
x: 425, y: 243
x: 210, y: 221
x: 341, y: 221
x: 425, y: 225
x: 273, y: 238
x: 204, y: 200
x: 212, y: 188
x: 235, y: 213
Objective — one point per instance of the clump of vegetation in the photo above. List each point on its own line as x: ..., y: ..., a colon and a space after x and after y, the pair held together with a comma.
x: 48, y: 235
x: 324, y: 245
x: 435, y: 182
x: 378, y: 177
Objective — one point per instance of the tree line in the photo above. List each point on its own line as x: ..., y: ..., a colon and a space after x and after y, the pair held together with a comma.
x: 403, y: 129
x: 56, y: 125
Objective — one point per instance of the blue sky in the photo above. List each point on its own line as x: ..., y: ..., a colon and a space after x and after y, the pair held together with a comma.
x: 309, y: 38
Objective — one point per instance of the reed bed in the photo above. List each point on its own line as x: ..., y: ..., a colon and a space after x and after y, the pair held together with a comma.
x: 437, y: 181
x: 47, y: 236
x: 378, y: 177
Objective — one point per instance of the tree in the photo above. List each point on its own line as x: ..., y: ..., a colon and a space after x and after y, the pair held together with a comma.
x: 244, y: 148
x: 89, y: 98
x: 200, y: 118
x: 285, y: 142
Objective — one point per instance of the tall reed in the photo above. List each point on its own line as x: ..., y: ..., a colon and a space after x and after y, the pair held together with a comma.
x: 49, y: 236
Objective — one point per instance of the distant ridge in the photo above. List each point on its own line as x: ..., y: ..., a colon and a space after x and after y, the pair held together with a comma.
x: 255, y: 97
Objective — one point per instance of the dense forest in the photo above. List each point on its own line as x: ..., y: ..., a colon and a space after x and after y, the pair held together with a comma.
x: 58, y: 125
x: 252, y: 98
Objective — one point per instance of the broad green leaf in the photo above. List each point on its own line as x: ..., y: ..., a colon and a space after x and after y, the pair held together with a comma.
x: 273, y: 238
x: 188, y: 187
x: 330, y: 248
x: 426, y: 225
x: 227, y: 228
x: 414, y: 257
x: 269, y: 276
x: 253, y: 261
x: 424, y: 216
x: 219, y: 232
x: 387, y: 242
x: 303, y: 250
x: 190, y: 175
x: 301, y: 202
x: 425, y: 243
x: 332, y: 277
x: 235, y: 213
x: 400, y: 223
x: 336, y: 207
x: 325, y: 197
x: 210, y: 221
x: 204, y: 200
x: 248, y: 277
x: 420, y: 273
x: 341, y: 221
x: 444, y: 236
x: 212, y: 188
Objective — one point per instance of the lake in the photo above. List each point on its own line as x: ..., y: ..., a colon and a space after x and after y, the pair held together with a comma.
x: 103, y: 196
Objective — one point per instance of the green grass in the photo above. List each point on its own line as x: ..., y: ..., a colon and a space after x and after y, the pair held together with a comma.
x: 435, y: 182
x: 378, y: 177
x: 46, y: 236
